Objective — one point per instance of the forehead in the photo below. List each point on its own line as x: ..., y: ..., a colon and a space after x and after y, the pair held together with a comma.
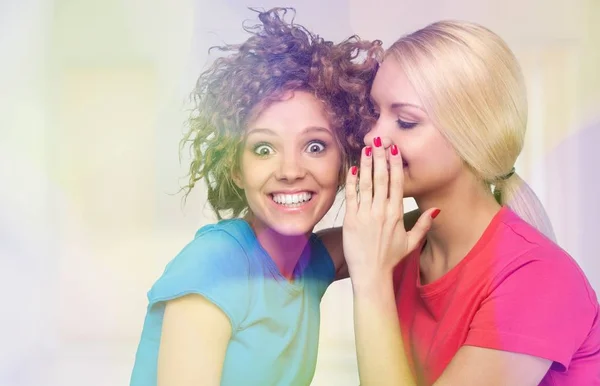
x: 296, y: 111
x: 391, y: 85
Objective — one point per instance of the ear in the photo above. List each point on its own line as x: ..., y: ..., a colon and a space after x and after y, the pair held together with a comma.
x: 236, y: 177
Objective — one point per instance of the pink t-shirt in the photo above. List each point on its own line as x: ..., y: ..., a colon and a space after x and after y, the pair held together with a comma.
x: 515, y: 291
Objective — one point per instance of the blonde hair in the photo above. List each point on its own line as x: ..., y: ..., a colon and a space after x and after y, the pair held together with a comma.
x: 472, y: 88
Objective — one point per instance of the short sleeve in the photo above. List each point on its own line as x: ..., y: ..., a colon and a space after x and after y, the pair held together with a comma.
x: 213, y: 265
x: 540, y: 306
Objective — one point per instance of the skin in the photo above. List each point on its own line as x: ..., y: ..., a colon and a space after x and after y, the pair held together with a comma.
x: 289, y: 146
x: 426, y: 168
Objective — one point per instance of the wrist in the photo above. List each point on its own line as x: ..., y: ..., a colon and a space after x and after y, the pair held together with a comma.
x: 372, y: 284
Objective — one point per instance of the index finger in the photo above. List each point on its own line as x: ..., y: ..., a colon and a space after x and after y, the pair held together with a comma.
x: 350, y: 189
x: 396, y: 178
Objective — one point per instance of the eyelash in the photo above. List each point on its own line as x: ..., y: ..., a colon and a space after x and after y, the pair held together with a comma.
x: 323, y: 145
x: 256, y: 147
x: 406, y: 125
x: 402, y: 124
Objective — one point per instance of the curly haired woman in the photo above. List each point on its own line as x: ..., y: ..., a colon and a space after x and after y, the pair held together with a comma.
x: 272, y: 132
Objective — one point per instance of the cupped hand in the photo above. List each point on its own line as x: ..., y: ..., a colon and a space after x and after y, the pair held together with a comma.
x: 375, y: 239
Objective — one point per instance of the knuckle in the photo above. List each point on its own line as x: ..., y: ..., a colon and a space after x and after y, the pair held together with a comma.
x: 395, y: 177
x: 381, y: 183
x: 380, y: 178
x: 377, y: 214
x: 366, y: 185
x: 394, y: 215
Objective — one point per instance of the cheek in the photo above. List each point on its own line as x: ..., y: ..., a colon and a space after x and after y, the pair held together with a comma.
x: 252, y: 172
x: 428, y: 150
x: 415, y: 149
x: 441, y: 156
x: 334, y: 169
x: 447, y: 153
x: 327, y: 170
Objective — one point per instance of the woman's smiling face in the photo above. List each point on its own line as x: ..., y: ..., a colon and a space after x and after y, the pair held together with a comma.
x: 290, y: 165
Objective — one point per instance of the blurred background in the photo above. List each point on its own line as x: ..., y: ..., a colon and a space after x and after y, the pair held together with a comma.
x: 93, y: 98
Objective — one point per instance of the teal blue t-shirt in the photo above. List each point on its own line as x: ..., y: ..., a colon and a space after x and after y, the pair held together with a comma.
x: 275, y: 322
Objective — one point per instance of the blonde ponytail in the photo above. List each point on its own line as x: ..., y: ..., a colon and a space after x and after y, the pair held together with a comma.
x: 516, y: 194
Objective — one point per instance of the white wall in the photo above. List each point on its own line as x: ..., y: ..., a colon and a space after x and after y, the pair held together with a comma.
x: 91, y: 113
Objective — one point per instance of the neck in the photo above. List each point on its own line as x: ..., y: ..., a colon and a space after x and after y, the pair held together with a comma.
x: 466, y: 211
x: 284, y: 250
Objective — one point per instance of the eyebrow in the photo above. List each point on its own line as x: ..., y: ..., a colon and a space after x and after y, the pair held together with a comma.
x: 398, y: 105
x: 307, y: 130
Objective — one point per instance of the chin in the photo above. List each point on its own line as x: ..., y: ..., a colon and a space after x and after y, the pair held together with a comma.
x: 408, y: 192
x: 294, y: 220
x: 413, y: 193
x: 290, y: 230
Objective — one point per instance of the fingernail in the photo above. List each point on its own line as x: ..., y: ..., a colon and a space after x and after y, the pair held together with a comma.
x: 435, y: 213
x: 368, y: 151
x: 353, y: 170
x: 377, y: 141
x: 394, y: 150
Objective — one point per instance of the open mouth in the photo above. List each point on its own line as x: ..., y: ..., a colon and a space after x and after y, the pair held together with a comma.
x: 292, y: 200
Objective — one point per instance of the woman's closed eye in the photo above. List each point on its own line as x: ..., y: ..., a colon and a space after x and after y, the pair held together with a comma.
x: 406, y: 124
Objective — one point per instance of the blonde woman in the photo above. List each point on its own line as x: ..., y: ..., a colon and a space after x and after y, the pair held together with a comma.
x: 487, y: 297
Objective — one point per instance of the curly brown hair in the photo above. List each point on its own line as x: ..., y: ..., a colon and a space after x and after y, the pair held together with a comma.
x: 278, y: 57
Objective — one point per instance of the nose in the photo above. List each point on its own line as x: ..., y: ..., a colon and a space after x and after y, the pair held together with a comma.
x: 378, y: 131
x: 290, y: 168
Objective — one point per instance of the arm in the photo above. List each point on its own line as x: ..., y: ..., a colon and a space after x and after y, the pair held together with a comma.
x: 473, y: 366
x: 195, y: 335
x: 375, y: 242
x: 379, y: 345
x: 333, y: 241
x: 382, y: 359
x: 516, y: 335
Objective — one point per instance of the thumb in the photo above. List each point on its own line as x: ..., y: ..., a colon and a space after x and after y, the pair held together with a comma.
x: 421, y: 227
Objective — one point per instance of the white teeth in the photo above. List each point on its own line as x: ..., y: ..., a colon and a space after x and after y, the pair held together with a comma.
x: 292, y: 199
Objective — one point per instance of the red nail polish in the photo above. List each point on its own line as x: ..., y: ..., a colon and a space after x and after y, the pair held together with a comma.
x: 394, y: 150
x: 377, y: 142
x: 368, y: 151
x: 435, y: 213
x: 353, y: 170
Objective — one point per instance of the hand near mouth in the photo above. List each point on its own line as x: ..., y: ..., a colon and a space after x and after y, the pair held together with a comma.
x: 374, y: 237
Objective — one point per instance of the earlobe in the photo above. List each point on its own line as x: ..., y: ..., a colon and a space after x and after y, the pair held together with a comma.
x: 237, y: 179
